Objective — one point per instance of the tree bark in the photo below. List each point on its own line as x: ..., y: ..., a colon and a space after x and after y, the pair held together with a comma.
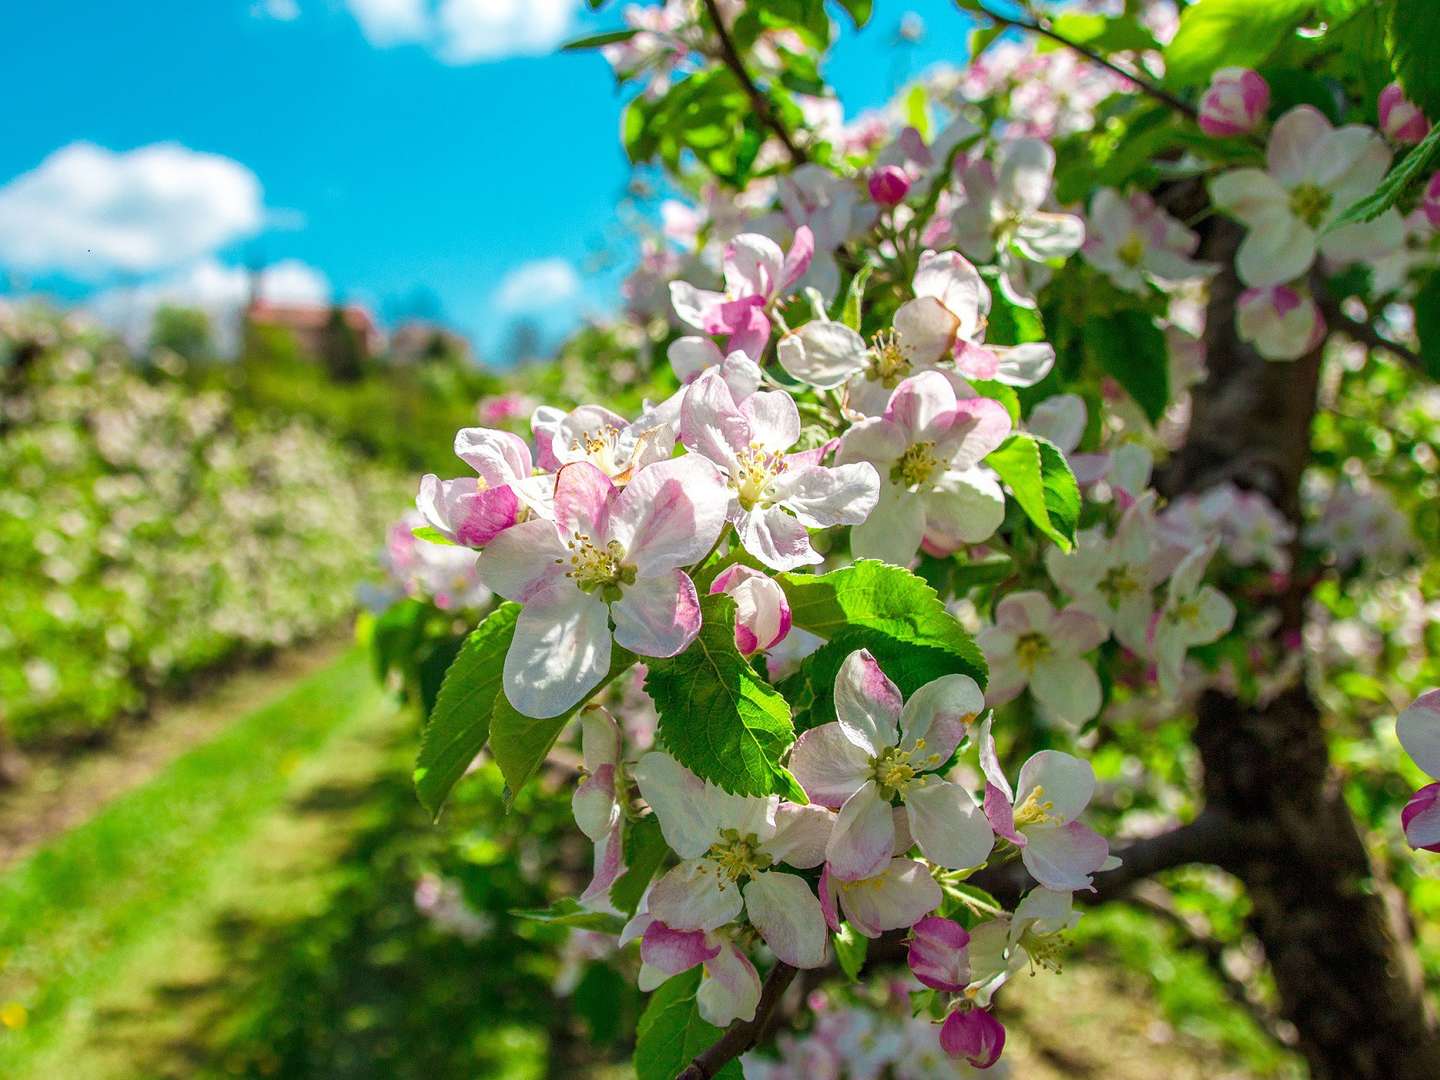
x: 1342, y: 962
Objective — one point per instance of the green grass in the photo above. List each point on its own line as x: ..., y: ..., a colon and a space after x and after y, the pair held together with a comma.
x: 80, y: 915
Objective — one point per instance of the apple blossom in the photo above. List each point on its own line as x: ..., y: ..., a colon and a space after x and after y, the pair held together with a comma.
x: 594, y: 434
x: 1194, y: 614
x: 756, y: 272
x: 691, y: 357
x: 1033, y: 644
x: 1132, y: 241
x: 1039, y: 817
x: 1401, y: 120
x: 927, y: 448
x: 830, y: 210
x: 729, y: 984
x: 774, y: 496
x: 625, y: 549
x: 1280, y: 322
x: 443, y: 573
x: 1430, y: 202
x: 877, y: 750
x: 1314, y: 172
x: 888, y: 185
x: 901, y: 894
x: 937, y: 955
x: 596, y: 803
x: 724, y: 840
x: 973, y: 1034
x: 472, y: 511
x: 1419, y: 731
x: 1234, y: 103
x: 1001, y: 220
x: 762, y: 614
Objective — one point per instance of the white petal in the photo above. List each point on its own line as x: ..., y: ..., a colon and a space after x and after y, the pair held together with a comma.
x: 823, y: 354
x: 1024, y: 168
x: 1067, y: 782
x: 788, y: 916
x: 695, y: 896
x: 730, y: 990
x: 523, y: 560
x: 1067, y: 688
x: 1419, y: 731
x: 867, y: 703
x: 822, y: 497
x: 560, y: 651
x: 863, y: 836
x: 948, y: 825
x: 801, y: 833
x: 828, y: 765
x: 678, y: 798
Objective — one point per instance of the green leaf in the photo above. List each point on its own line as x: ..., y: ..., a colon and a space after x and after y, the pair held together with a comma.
x: 432, y: 535
x: 1427, y: 324
x: 645, y: 850
x: 850, y: 949
x: 998, y: 391
x: 1228, y: 33
x: 854, y: 297
x: 917, y: 111
x: 1039, y: 477
x: 568, y: 912
x: 858, y: 10
x: 520, y: 743
x: 460, y: 722
x: 1409, y: 171
x: 990, y: 570
x: 594, y: 41
x: 718, y: 718
x: 1107, y: 35
x: 671, y: 1032
x: 1412, y: 37
x: 1129, y: 346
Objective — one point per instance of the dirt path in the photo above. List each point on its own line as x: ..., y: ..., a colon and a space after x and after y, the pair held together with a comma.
x: 57, y: 794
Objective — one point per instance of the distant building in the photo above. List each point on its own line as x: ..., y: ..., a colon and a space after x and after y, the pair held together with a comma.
x: 310, y: 323
x: 420, y: 341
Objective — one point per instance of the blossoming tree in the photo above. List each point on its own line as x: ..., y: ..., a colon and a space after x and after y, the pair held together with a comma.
x: 985, y: 431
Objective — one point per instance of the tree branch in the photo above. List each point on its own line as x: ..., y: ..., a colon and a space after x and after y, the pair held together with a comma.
x: 1365, y: 333
x: 763, y: 109
x: 741, y: 1036
x: 1143, y: 84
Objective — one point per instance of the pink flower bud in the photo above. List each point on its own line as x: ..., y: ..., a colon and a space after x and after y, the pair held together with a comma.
x: 938, y: 955
x: 1401, y: 120
x: 1431, y: 202
x: 1235, y: 103
x: 762, y: 614
x: 1281, y: 323
x: 1419, y: 817
x: 889, y: 185
x: 975, y: 1035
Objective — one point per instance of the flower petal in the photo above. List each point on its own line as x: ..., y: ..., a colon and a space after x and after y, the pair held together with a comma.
x: 1063, y: 857
x: 672, y: 951
x: 521, y: 561
x: 1067, y: 689
x: 801, y: 833
x: 1419, y: 731
x: 670, y: 514
x: 822, y: 354
x: 730, y: 990
x: 500, y: 457
x: 950, y: 829
x: 821, y: 497
x: 867, y: 703
x: 776, y: 539
x: 695, y: 896
x: 785, y: 911
x: 899, y: 897
x: 864, y: 833
x: 678, y: 798
x: 1068, y: 784
x: 941, y: 712
x: 937, y: 954
x: 560, y: 651
x: 828, y: 765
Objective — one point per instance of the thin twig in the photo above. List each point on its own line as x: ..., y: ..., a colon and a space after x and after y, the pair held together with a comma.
x: 741, y: 1036
x: 1145, y: 85
x: 763, y: 109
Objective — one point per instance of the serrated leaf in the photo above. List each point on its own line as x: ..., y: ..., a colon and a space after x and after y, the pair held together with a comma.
x: 568, y: 912
x: 459, y: 724
x: 645, y: 850
x: 520, y: 743
x: 1410, y: 170
x: 1129, y: 346
x: 718, y: 718
x: 1228, y: 33
x: 1039, y: 477
x: 671, y: 1033
x: 881, y: 600
x: 850, y: 949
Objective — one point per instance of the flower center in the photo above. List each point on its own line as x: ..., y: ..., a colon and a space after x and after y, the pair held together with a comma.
x: 1132, y: 251
x: 1030, y: 649
x: 895, y: 771
x: 888, y: 363
x: 1035, y: 810
x: 1310, y: 203
x: 755, y: 469
x: 1117, y: 584
x: 738, y: 856
x: 1044, y: 950
x: 916, y: 465
x: 594, y: 568
x: 1188, y: 612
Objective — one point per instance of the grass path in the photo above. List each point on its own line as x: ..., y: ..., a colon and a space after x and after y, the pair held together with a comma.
x: 89, y: 921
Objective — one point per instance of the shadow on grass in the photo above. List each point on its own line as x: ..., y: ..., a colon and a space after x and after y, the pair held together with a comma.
x: 361, y: 985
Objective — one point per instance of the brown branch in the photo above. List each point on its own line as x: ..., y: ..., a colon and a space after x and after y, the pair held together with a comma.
x: 1159, y: 93
x: 761, y: 104
x: 741, y: 1036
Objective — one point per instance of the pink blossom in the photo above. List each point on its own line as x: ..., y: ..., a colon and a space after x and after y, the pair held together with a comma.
x: 1039, y: 817
x: 1419, y: 731
x: 973, y: 1034
x: 596, y: 804
x: 1280, y: 322
x: 897, y: 897
x: 1430, y: 203
x: 1132, y: 241
x: 927, y: 448
x: 443, y: 573
x: 624, y: 549
x: 774, y: 496
x: 594, y: 434
x: 729, y: 984
x: 756, y: 272
x: 472, y: 511
x: 1235, y: 103
x: 1401, y: 120
x: 878, y: 749
x: 888, y: 185
x: 1033, y: 644
x: 762, y: 614
x: 937, y: 955
x: 1194, y: 614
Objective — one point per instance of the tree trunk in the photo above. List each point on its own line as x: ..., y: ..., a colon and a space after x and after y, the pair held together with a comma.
x: 1340, y: 954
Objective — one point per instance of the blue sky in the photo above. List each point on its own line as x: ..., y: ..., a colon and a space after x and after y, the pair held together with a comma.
x: 386, y: 164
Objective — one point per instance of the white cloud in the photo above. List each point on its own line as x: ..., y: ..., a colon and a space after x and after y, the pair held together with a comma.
x: 279, y: 10
x: 89, y: 211
x: 218, y: 290
x: 534, y: 286
x: 468, y: 31
x: 390, y: 22
x: 476, y: 30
